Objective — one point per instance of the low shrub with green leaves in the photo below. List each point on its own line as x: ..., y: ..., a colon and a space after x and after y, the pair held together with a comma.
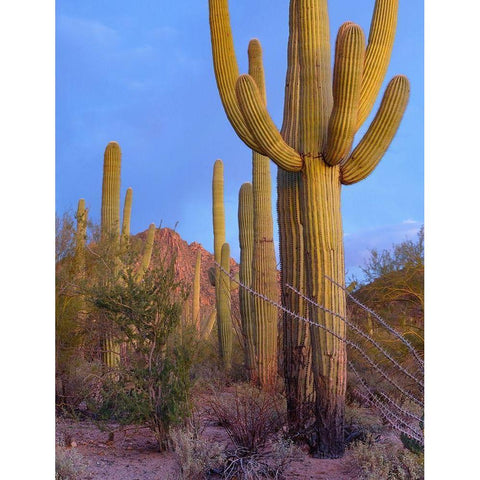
x: 383, y: 461
x: 151, y: 384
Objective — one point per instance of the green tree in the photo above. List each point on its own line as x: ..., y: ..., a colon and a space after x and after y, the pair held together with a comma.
x: 152, y: 384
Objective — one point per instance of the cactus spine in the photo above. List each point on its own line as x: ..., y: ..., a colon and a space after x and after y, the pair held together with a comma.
x: 196, y: 293
x: 321, y: 116
x: 245, y: 230
x: 224, y: 316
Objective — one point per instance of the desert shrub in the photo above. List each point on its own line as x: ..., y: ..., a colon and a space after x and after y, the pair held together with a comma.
x: 69, y: 464
x: 360, y: 422
x: 378, y: 461
x: 269, y: 463
x: 195, y: 456
x: 249, y: 415
x: 152, y: 382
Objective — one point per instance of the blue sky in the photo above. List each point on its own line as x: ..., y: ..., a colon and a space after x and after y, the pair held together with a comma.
x: 141, y: 73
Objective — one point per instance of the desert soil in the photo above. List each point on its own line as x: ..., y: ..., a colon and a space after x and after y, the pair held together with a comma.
x: 132, y: 454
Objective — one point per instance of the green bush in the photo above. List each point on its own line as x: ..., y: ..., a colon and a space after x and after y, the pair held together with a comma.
x: 152, y: 382
x: 378, y: 461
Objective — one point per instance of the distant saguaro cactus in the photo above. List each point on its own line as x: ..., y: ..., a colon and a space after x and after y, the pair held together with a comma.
x: 196, y: 292
x: 224, y: 315
x: 314, y: 149
x: 224, y: 324
x: 247, y: 314
x: 80, y: 236
x: 127, y: 214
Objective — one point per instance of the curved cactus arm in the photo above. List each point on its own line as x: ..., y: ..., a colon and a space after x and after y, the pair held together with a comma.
x: 374, y: 144
x: 266, y: 133
x: 147, y: 253
x: 347, y: 80
x: 226, y: 68
x: 377, y: 55
x: 127, y: 213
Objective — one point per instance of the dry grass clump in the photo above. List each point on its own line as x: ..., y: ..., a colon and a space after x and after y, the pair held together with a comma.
x: 386, y: 461
x: 69, y: 464
x: 196, y: 457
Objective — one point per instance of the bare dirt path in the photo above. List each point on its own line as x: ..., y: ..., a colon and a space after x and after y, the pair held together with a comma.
x: 131, y: 455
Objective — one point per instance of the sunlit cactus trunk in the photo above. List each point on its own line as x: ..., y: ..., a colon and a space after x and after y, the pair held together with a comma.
x: 110, y: 231
x: 314, y: 148
x: 196, y: 293
x: 224, y: 322
x: 247, y: 313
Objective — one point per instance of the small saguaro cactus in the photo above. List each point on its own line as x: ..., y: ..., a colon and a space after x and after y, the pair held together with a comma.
x: 196, y: 293
x: 127, y: 213
x: 80, y: 236
x: 322, y: 113
x: 245, y: 231
x: 147, y: 253
x: 224, y: 315
x: 224, y: 335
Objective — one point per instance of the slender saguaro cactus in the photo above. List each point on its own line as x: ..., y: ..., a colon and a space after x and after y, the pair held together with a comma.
x: 110, y: 218
x: 110, y: 228
x: 264, y: 265
x: 196, y: 293
x: 322, y: 115
x: 207, y: 329
x: 224, y: 336
x: 80, y: 237
x: 147, y: 253
x: 224, y: 316
x: 245, y: 231
x: 127, y: 213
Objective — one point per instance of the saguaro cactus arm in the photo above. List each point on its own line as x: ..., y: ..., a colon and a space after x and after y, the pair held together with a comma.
x: 377, y: 56
x: 368, y: 153
x: 347, y: 80
x: 266, y: 133
x: 226, y: 68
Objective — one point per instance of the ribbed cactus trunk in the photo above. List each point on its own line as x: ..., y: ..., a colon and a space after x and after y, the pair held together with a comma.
x: 224, y: 323
x: 322, y: 117
x: 224, y: 317
x: 147, y: 253
x: 264, y: 265
x: 247, y: 314
x: 196, y: 293
x: 110, y: 231
x: 80, y: 237
x: 127, y: 214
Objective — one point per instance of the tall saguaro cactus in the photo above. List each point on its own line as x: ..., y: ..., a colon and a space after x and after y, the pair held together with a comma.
x: 223, y: 320
x: 322, y: 115
x: 110, y: 229
x: 247, y: 314
x: 264, y: 265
